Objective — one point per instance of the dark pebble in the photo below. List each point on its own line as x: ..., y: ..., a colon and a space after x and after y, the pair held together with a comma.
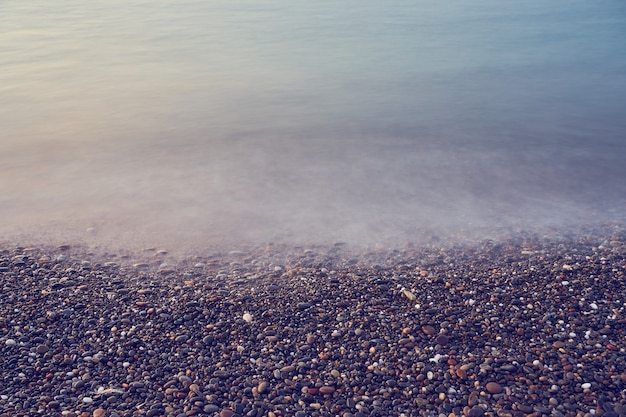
x: 476, y: 412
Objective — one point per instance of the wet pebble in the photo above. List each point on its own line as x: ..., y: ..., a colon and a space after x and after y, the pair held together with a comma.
x: 429, y: 330
x: 322, y: 335
x: 227, y: 412
x: 493, y: 387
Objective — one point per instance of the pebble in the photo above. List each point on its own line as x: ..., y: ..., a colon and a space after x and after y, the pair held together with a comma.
x: 476, y: 412
x: 493, y: 387
x: 326, y: 390
x: 333, y: 336
x: 429, y: 330
x: 472, y: 399
x: 409, y: 295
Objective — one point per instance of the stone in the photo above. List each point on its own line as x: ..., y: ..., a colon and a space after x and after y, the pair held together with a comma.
x: 227, y: 412
x: 429, y: 330
x: 493, y: 387
x: 327, y: 390
x: 476, y: 412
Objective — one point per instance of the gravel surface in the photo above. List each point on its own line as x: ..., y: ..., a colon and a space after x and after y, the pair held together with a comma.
x: 520, y: 326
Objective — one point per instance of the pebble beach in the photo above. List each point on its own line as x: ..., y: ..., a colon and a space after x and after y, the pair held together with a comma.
x: 527, y: 325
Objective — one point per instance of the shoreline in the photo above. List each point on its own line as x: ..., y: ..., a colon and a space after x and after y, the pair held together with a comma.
x: 517, y: 327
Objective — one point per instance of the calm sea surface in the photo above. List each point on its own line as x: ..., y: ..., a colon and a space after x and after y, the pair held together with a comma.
x: 202, y: 122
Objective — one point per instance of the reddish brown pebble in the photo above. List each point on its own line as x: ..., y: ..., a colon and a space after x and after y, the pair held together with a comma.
x: 287, y: 369
x: 99, y: 412
x: 461, y: 373
x: 429, y: 330
x: 493, y: 387
x: 227, y: 412
x: 472, y: 400
x: 327, y: 390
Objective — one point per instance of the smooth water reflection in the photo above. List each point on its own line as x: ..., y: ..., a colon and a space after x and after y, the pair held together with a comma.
x: 356, y: 120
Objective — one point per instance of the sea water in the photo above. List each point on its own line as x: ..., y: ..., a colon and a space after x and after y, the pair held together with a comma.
x: 203, y: 122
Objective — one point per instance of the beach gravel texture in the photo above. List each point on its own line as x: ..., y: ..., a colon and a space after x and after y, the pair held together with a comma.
x: 524, y: 326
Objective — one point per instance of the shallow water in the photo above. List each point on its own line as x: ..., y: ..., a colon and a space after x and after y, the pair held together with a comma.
x: 196, y: 123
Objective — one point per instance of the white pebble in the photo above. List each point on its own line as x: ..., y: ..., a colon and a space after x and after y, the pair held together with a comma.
x: 593, y: 306
x: 126, y: 364
x: 247, y: 317
x: 10, y: 342
x: 430, y: 375
x: 87, y: 400
x: 435, y: 358
x: 586, y: 385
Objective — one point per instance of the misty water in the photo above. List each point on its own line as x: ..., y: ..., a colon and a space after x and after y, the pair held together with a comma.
x: 199, y: 123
